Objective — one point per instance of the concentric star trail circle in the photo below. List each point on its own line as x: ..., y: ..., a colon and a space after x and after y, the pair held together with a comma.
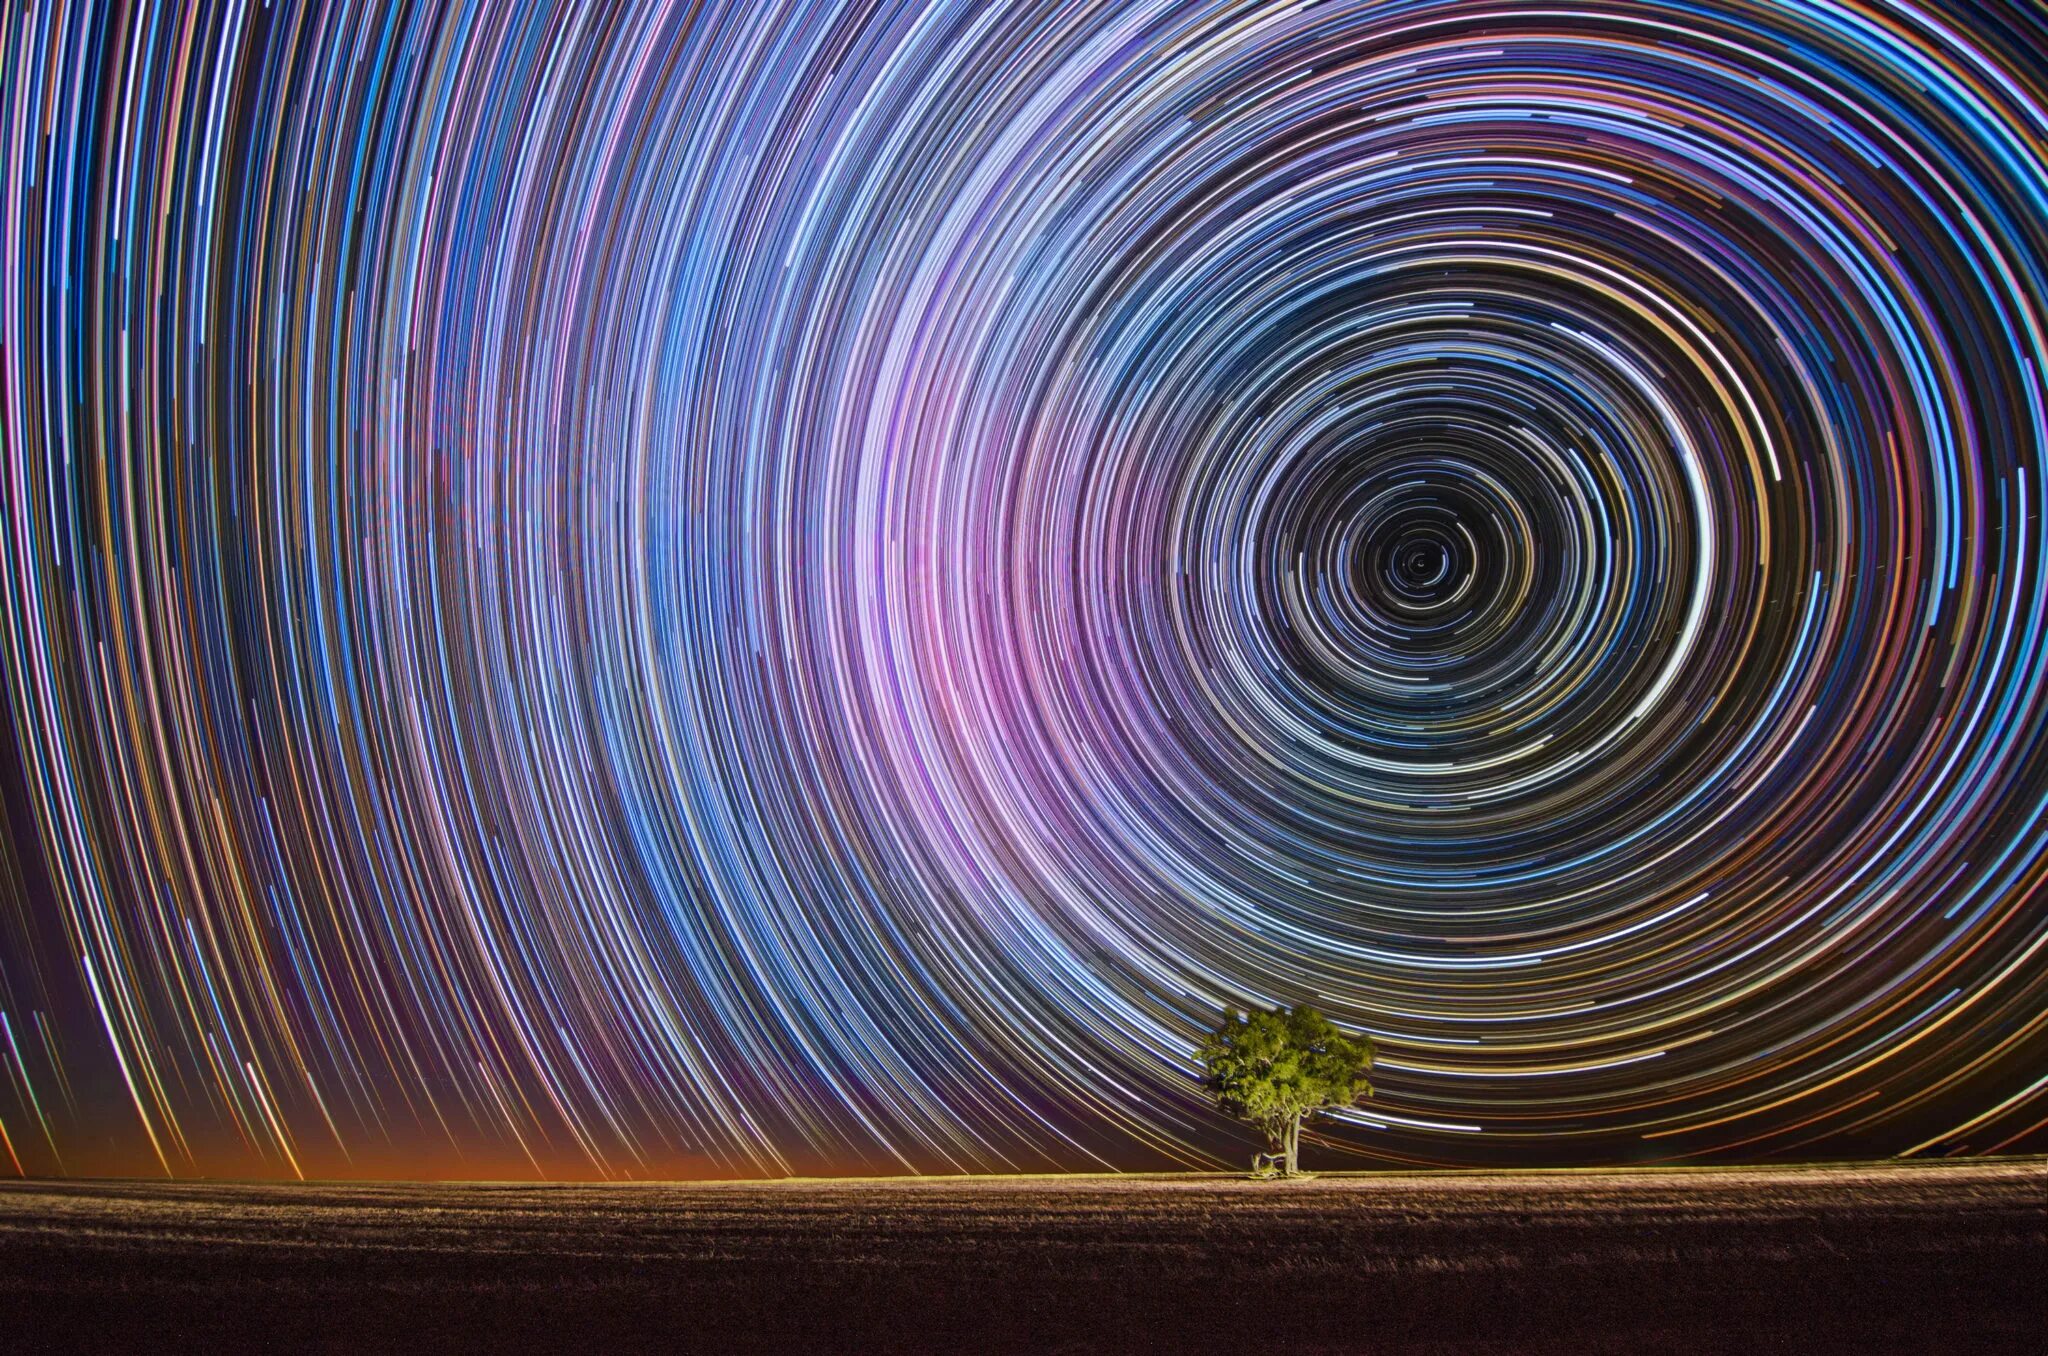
x: 781, y: 587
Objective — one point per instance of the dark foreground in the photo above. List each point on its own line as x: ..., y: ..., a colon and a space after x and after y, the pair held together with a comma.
x: 1936, y: 1258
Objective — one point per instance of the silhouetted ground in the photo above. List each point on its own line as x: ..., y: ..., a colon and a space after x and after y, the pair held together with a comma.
x: 1950, y: 1258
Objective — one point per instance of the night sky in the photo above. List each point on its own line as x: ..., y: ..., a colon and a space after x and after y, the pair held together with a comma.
x: 745, y: 588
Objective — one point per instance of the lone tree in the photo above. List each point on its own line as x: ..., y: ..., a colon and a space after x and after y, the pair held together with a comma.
x: 1277, y: 1067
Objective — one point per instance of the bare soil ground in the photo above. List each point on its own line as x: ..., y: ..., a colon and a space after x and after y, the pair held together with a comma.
x: 1948, y: 1257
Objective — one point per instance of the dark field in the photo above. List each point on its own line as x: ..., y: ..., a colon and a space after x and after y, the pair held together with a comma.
x: 1935, y: 1258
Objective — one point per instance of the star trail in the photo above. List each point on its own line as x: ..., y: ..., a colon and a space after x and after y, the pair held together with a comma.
x: 651, y: 589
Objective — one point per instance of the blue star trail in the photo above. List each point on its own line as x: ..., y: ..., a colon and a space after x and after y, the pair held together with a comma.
x: 699, y: 589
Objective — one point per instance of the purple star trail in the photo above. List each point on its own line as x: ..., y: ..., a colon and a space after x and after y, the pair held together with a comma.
x: 634, y: 590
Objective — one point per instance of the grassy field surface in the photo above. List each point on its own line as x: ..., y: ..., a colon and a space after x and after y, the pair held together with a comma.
x: 1945, y: 1257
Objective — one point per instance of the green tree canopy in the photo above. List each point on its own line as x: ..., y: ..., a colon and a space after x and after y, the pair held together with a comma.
x: 1276, y: 1067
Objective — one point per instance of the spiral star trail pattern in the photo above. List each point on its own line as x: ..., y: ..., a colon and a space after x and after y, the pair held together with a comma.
x: 620, y: 590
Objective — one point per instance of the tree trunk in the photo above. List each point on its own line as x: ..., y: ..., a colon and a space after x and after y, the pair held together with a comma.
x: 1293, y: 1147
